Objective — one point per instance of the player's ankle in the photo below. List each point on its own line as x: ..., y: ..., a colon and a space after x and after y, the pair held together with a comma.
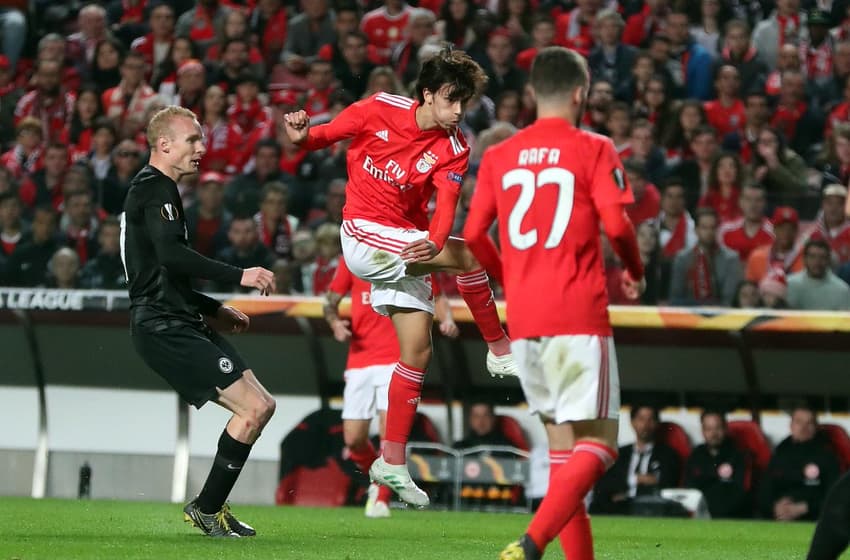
x: 394, y: 453
x: 500, y: 347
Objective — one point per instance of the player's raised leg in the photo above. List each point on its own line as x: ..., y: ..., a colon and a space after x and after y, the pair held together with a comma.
x: 252, y: 407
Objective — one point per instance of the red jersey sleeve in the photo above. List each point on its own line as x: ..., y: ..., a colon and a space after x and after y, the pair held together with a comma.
x: 482, y: 214
x: 342, y: 281
x: 346, y: 124
x: 608, y: 184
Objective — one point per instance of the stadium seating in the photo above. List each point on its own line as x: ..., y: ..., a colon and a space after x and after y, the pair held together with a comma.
x: 839, y: 441
x: 424, y: 430
x: 511, y: 429
x: 675, y: 437
x: 326, y: 486
x: 749, y: 438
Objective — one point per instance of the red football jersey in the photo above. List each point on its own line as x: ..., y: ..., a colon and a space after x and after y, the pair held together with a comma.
x: 734, y: 236
x: 384, y: 31
x: 373, y: 340
x: 546, y: 185
x: 393, y: 165
x: 725, y: 119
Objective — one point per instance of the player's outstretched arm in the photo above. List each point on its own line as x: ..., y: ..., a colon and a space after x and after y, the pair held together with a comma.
x: 340, y: 327
x: 297, y: 126
x: 623, y: 240
x: 443, y: 314
x: 345, y: 125
x: 482, y: 214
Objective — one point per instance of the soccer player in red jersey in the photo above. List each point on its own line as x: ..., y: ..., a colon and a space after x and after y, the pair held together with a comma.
x: 372, y: 356
x: 401, y: 151
x: 550, y: 185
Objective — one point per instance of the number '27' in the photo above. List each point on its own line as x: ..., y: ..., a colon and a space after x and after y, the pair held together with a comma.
x: 529, y: 182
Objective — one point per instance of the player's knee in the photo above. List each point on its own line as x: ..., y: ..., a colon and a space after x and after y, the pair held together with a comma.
x: 354, y: 440
x: 417, y: 357
x: 265, y: 410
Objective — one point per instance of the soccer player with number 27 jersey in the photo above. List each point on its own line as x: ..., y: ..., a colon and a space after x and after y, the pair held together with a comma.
x: 402, y: 151
x: 550, y: 186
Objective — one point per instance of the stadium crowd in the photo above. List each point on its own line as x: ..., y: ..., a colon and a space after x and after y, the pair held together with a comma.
x: 732, y: 119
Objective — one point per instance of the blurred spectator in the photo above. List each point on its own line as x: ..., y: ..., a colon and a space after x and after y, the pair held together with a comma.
x: 63, y: 270
x: 646, y: 23
x: 800, y: 122
x: 282, y: 277
x: 384, y: 27
x: 707, y: 17
x: 27, y: 266
x: 46, y: 185
x: 105, y: 69
x: 10, y: 94
x: 87, y: 108
x: 542, y: 36
x: 13, y: 30
x: 200, y: 23
x: 242, y: 194
x: 328, y: 250
x: 156, y: 45
x: 840, y: 114
x: 801, y: 471
x: 647, y: 240
x: 756, y: 115
x: 784, y: 26
x: 831, y: 225
x: 726, y: 114
x: 598, y: 103
x: 381, y: 79
x: 307, y: 33
x: 689, y: 64
x: 354, y: 75
x: 104, y: 139
x: 695, y: 171
x: 829, y: 93
x: 501, y: 70
x: 54, y: 47
x: 508, y: 108
x: 164, y: 78
x: 747, y: 296
x: 724, y: 187
x: 269, y: 25
x: 785, y: 255
x: 11, y: 226
x: 773, y: 289
x: 780, y: 170
x: 232, y: 66
x: 303, y: 254
x: 709, y: 273
x: 106, y: 270
x: 334, y: 201
x: 455, y: 23
x: 642, y: 468
x: 610, y: 59
x: 320, y: 78
x: 207, y: 221
x: 654, y: 105
x: 481, y: 422
x: 789, y: 59
x: 575, y: 29
x: 483, y: 23
x: 127, y: 103
x: 675, y: 226
x: 79, y: 224
x: 25, y: 157
x: 817, y: 48
x: 753, y: 229
x: 190, y: 86
x: 817, y: 287
x: 642, y: 149
x: 688, y: 118
x: 515, y: 16
x: 647, y: 202
x: 112, y: 190
x: 718, y: 469
x: 8, y: 185
x: 739, y: 52
x: 244, y: 251
x: 222, y: 140
x: 235, y: 27
x: 248, y: 117
x: 346, y: 20
x: 49, y: 102
x: 619, y: 125
x: 274, y: 224
x: 91, y: 22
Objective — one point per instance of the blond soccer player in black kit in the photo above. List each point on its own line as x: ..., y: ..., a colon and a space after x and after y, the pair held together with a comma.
x: 167, y: 317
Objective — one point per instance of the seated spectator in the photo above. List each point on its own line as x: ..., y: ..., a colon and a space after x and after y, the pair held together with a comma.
x: 46, y: 186
x: 718, y: 469
x: 789, y: 60
x: 619, y: 126
x: 106, y: 270
x: 828, y: 94
x: 11, y: 226
x: 801, y: 471
x: 502, y: 72
x: 481, y: 421
x: 642, y: 148
x: 87, y: 109
x: 647, y: 240
x: 695, y: 171
x: 598, y: 103
x: 800, y: 123
x: 817, y: 287
x: 207, y: 221
x: 303, y: 255
x: 10, y: 93
x: 111, y: 191
x: 785, y: 255
x: 420, y: 26
x: 249, y: 118
x: 756, y: 114
x: 726, y: 114
x: 201, y: 22
x: 306, y: 34
x: 835, y: 161
x: 222, y: 140
x: 384, y: 27
x: 92, y: 28
x: 245, y: 250
x: 709, y: 273
x: 334, y: 202
x: 63, y: 270
x: 105, y: 70
x: 126, y: 103
x: 233, y: 64
x: 236, y: 27
x: 25, y: 157
x: 320, y: 79
x: 642, y: 468
x: 156, y: 45
x: 274, y: 224
x: 27, y: 266
x: 354, y: 75
x: 54, y: 47
x: 817, y: 48
x: 647, y: 22
x: 724, y: 187
x: 191, y: 83
x: 747, y: 296
x: 610, y: 59
x: 328, y: 250
x: 242, y: 194
x: 104, y: 140
x: 654, y: 105
x: 692, y: 62
x: 676, y: 230
x: 773, y: 289
x: 778, y: 169
x: 164, y: 78
x: 268, y: 22
x: 688, y: 118
x: 739, y: 52
x: 831, y: 225
x: 752, y: 230
x: 79, y: 224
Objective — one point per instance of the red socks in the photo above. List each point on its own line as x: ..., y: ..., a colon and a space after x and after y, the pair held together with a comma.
x: 404, y: 393
x: 568, y: 486
x: 364, y: 456
x: 576, y: 537
x: 474, y: 287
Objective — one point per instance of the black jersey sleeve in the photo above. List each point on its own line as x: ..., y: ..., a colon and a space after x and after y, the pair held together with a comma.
x: 167, y: 232
x: 206, y: 305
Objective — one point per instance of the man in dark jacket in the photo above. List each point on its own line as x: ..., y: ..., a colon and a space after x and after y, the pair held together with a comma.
x: 611, y: 60
x: 105, y: 271
x: 739, y: 52
x: 718, y: 469
x: 27, y: 266
x: 245, y: 250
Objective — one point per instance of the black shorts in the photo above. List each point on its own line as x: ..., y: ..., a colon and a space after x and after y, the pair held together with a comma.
x: 195, y: 360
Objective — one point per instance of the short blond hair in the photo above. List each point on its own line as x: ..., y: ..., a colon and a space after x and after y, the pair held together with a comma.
x: 160, y: 125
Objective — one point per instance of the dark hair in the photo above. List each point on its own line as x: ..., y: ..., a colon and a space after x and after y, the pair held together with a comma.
x: 674, y: 137
x: 340, y: 97
x: 704, y: 129
x: 482, y: 401
x: 165, y: 68
x: 781, y: 147
x: 359, y: 35
x: 819, y: 243
x: 455, y: 31
x: 704, y: 212
x: 636, y: 408
x: 348, y: 7
x: 736, y: 300
x: 715, y: 165
x: 77, y: 126
x: 672, y: 181
x: 133, y: 54
x: 268, y: 143
x: 107, y: 123
x: 557, y: 71
x: 57, y: 146
x: 739, y: 23
x: 620, y: 106
x: 453, y: 69
x: 77, y: 192
x: 110, y: 221
x: 228, y: 42
x: 713, y: 412
x: 802, y: 405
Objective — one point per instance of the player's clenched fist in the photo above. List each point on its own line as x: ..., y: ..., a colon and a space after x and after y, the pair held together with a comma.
x: 631, y: 288
x: 258, y: 278
x: 297, y: 126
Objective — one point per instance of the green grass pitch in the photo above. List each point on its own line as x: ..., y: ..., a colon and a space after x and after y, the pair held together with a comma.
x: 70, y: 529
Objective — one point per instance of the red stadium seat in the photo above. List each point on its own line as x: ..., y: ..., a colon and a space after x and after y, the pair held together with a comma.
x: 424, y: 430
x: 749, y: 438
x: 839, y: 441
x: 512, y: 430
x: 326, y: 486
x: 675, y: 437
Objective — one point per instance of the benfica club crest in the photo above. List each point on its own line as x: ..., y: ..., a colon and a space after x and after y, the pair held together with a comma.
x: 426, y: 162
